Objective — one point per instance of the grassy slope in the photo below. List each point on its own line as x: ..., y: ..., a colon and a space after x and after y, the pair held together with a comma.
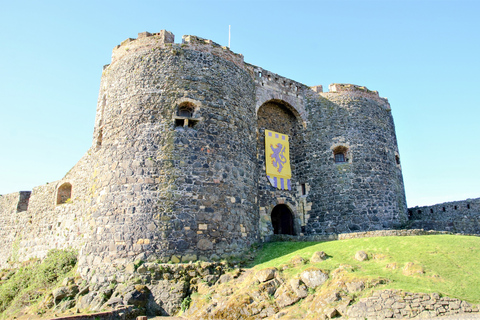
x: 451, y: 264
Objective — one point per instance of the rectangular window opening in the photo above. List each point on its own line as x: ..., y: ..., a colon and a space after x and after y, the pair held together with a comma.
x: 179, y: 122
x: 304, y: 189
x: 192, y: 123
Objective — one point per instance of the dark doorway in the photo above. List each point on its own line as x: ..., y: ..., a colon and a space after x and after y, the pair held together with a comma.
x: 282, y: 220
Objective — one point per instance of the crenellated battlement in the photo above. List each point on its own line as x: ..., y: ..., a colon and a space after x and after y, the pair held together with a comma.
x: 356, y: 91
x: 165, y: 39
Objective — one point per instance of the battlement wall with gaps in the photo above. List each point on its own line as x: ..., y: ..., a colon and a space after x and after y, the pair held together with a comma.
x: 456, y: 216
x: 354, y: 92
x: 165, y: 39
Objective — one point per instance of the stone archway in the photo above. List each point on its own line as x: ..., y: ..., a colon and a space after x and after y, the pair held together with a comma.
x: 282, y: 220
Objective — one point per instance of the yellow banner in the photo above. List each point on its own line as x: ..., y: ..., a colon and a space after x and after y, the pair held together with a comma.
x: 277, y: 160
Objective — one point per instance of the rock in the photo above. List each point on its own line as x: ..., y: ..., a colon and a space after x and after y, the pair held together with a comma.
x: 204, y: 244
x: 411, y: 269
x: 330, y: 312
x: 361, y: 256
x: 189, y: 258
x: 299, y: 288
x: 113, y: 303
x: 266, y: 274
x: 68, y: 281
x: 313, y: 277
x: 355, y: 286
x: 175, y: 259
x: 297, y: 260
x: 224, y: 278
x: 142, y: 269
x: 318, y: 256
x: 270, y: 287
x: 166, y: 298
x: 137, y: 297
x: 65, y: 292
x: 284, y: 296
x: 130, y: 268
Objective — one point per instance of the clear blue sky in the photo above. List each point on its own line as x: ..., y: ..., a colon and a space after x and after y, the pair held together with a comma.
x: 424, y: 56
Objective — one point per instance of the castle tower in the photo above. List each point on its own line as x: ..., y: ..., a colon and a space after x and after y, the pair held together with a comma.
x: 174, y: 177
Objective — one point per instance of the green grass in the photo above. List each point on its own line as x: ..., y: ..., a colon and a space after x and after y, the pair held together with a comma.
x: 26, y: 285
x: 451, y: 263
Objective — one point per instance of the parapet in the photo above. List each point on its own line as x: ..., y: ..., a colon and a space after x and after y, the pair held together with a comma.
x: 354, y: 91
x: 165, y: 39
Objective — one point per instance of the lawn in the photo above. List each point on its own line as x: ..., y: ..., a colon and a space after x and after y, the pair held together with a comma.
x: 447, y: 264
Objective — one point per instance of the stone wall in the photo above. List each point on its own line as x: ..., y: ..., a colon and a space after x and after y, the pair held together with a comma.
x: 387, y: 304
x: 457, y: 216
x: 45, y: 225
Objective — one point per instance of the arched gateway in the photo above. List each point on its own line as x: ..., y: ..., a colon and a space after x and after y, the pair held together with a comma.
x: 282, y: 220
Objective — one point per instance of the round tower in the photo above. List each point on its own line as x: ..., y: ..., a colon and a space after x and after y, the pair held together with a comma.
x: 175, y: 154
x: 355, y: 176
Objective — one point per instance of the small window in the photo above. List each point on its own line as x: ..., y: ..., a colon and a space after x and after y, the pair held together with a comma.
x: 397, y: 159
x: 468, y: 206
x: 340, y: 154
x: 431, y: 210
x: 304, y: 189
x: 443, y: 209
x: 64, y: 193
x: 185, y: 110
x: 339, y: 157
x: 455, y: 207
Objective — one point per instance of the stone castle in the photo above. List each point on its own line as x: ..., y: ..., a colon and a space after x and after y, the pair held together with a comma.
x: 176, y: 170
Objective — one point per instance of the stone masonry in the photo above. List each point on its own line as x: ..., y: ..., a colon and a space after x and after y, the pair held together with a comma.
x: 176, y: 171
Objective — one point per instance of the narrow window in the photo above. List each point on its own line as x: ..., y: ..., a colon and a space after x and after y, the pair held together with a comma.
x: 339, y: 157
x: 340, y: 154
x: 468, y: 206
x: 64, y: 193
x: 304, y: 189
x: 443, y: 209
x: 455, y: 207
x: 419, y: 211
x: 397, y: 159
x: 100, y: 137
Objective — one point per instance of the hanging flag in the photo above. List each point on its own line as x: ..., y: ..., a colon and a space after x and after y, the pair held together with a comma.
x: 277, y: 160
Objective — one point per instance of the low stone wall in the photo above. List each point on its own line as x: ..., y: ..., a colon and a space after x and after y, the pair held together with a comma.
x: 365, y: 234
x: 457, y: 216
x: 386, y: 304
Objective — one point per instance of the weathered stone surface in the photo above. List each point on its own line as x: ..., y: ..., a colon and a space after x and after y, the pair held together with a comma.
x: 394, y: 303
x: 166, y: 297
x: 318, y: 256
x: 299, y: 288
x: 313, y: 277
x: 266, y: 274
x: 355, y: 286
x: 361, y: 256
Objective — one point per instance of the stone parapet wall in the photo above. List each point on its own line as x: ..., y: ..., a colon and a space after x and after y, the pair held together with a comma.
x: 365, y: 234
x: 456, y: 216
x: 386, y: 304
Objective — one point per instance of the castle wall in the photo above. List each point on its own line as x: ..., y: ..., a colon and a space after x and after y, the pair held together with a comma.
x: 45, y: 225
x: 457, y: 216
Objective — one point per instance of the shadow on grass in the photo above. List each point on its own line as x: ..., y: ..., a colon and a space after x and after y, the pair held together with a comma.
x: 273, y: 250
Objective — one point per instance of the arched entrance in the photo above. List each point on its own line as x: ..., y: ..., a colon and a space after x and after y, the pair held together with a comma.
x: 282, y: 220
